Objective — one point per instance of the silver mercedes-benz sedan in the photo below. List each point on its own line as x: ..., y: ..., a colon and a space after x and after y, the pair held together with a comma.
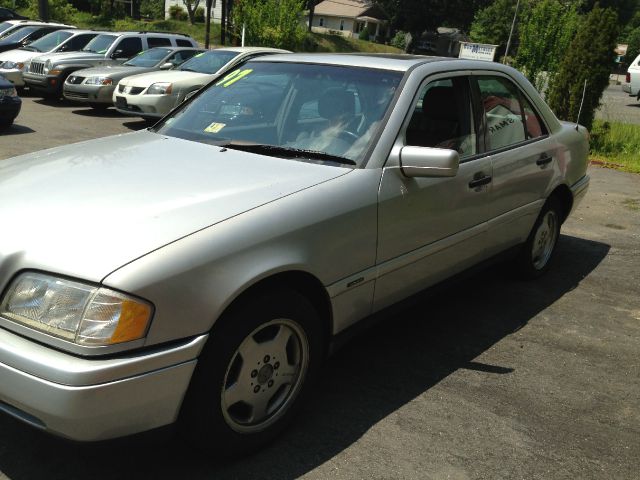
x: 201, y: 270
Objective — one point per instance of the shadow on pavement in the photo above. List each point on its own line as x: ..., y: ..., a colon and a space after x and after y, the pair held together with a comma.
x: 373, y: 376
x: 99, y: 112
x: 15, y: 129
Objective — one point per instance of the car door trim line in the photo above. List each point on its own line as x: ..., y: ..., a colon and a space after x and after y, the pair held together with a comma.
x: 384, y: 268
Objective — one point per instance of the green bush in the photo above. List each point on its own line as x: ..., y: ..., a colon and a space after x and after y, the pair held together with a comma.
x: 153, y: 9
x: 364, y: 34
x: 59, y: 11
x: 399, y: 40
x: 176, y: 12
x: 271, y: 23
x: 633, y: 50
x: 198, y: 15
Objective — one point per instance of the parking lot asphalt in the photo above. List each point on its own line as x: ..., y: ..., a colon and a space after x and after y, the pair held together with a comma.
x: 618, y: 106
x: 492, y: 378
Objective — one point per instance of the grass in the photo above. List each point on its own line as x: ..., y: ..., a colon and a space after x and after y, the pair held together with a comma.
x: 340, y: 44
x: 616, y: 145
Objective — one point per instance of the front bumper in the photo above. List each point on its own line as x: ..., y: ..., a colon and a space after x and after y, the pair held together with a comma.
x: 89, y: 399
x: 9, y: 107
x: 145, y: 106
x: 13, y: 75
x: 89, y: 93
x: 42, y: 83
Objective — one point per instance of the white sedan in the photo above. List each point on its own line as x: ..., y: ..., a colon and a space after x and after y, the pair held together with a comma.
x: 153, y: 95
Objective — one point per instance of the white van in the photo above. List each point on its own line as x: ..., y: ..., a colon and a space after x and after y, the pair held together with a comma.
x: 632, y: 82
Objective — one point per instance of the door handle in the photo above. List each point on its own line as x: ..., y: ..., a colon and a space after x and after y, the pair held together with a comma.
x: 479, y: 181
x: 544, y: 159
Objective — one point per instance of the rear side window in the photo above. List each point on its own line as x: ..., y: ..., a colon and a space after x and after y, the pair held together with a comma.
x: 183, y: 43
x: 510, y: 118
x: 158, y: 42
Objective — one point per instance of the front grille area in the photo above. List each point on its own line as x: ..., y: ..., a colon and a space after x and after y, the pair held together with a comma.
x: 130, y: 90
x: 37, y: 68
x: 76, y: 95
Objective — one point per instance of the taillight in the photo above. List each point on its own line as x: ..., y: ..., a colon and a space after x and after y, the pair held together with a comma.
x: 628, y: 79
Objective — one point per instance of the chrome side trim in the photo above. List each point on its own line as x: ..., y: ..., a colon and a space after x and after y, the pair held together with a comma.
x: 582, y: 184
x: 513, y: 215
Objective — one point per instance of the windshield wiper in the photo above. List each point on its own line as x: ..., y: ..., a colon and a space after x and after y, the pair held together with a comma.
x: 30, y: 49
x: 288, y: 152
x: 189, y: 70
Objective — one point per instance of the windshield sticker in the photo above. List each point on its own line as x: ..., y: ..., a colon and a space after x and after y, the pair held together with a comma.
x: 215, y: 127
x: 233, y: 77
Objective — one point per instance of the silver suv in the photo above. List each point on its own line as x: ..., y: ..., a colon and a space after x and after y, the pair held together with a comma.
x: 47, y: 73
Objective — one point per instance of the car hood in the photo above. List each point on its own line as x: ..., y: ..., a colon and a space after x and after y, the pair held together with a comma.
x: 175, y: 76
x: 84, y: 210
x: 67, y: 57
x: 18, y: 55
x: 114, y: 72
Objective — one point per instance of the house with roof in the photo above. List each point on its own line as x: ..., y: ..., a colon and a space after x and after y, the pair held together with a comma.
x: 350, y: 17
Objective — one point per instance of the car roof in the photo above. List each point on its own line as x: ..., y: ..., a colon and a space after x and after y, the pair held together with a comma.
x: 397, y: 62
x: 384, y: 61
x: 251, y: 49
x: 28, y: 23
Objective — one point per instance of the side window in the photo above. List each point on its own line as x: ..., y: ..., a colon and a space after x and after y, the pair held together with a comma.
x: 129, y: 47
x: 158, y: 42
x: 443, y: 117
x: 78, y: 42
x: 503, y: 112
x: 181, y: 42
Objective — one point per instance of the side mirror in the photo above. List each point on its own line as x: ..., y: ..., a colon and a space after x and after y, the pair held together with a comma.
x: 118, y: 54
x: 429, y: 162
x: 166, y: 66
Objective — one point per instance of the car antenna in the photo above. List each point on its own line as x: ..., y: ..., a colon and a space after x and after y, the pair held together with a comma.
x: 584, y: 92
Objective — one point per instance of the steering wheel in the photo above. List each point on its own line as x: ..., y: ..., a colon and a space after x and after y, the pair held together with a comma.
x: 347, y: 136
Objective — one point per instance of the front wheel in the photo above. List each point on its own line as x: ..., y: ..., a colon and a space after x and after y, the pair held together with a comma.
x: 253, y: 374
x: 537, y: 252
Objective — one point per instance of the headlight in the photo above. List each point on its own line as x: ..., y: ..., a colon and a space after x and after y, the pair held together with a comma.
x: 47, y: 66
x: 8, y: 92
x: 98, y: 81
x: 162, y: 88
x: 13, y: 65
x: 81, y: 313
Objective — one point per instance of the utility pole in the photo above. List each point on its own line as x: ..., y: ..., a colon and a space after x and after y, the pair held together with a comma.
x: 223, y: 22
x: 43, y: 10
x: 207, y: 29
x: 513, y: 24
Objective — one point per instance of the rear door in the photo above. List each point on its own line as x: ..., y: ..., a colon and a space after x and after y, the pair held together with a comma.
x: 523, y: 158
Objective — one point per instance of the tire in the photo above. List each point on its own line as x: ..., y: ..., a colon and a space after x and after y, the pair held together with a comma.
x: 254, y: 372
x: 538, y: 251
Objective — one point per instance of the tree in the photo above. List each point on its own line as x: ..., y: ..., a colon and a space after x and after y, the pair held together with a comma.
x: 590, y: 58
x: 545, y: 34
x: 633, y: 49
x: 492, y: 24
x: 192, y: 6
x: 311, y: 6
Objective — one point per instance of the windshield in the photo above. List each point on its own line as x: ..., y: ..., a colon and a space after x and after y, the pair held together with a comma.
x: 148, y: 58
x: 209, y: 62
x: 19, y: 34
x: 331, y: 110
x: 50, y: 41
x: 99, y: 44
x: 5, y: 26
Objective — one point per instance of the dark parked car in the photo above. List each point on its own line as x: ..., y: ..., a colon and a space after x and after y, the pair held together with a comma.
x: 25, y: 35
x: 8, y: 14
x: 10, y: 103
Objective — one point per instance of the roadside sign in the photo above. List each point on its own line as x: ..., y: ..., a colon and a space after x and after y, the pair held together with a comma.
x: 477, y: 51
